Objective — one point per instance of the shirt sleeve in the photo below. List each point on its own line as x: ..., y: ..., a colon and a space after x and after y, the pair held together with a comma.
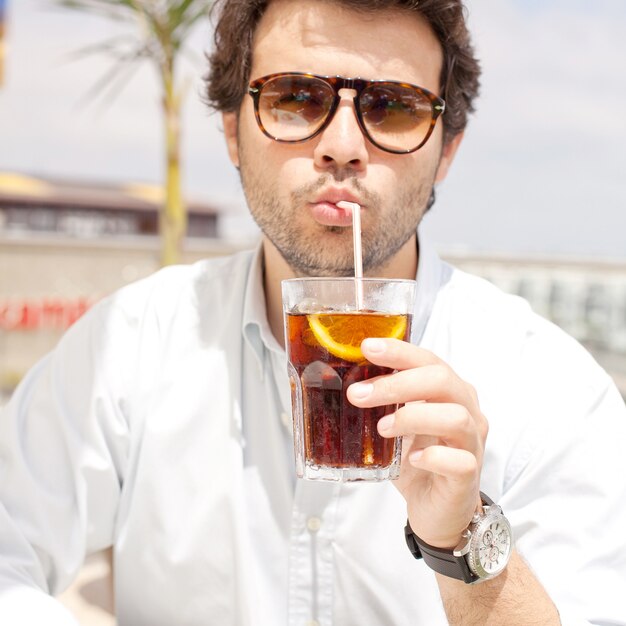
x: 565, y: 488
x: 63, y: 441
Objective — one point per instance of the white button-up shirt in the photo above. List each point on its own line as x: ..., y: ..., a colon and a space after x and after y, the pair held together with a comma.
x: 161, y: 425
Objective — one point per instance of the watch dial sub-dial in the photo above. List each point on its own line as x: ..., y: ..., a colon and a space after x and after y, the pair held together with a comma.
x: 503, y: 540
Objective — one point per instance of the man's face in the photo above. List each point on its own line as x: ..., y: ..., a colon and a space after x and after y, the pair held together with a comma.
x: 292, y: 189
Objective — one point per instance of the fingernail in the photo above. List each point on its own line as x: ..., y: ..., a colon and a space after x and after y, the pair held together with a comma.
x: 415, y: 456
x: 374, y: 345
x: 362, y: 390
x: 385, y: 423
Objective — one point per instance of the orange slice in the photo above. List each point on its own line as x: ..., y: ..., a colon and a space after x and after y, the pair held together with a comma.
x: 342, y: 333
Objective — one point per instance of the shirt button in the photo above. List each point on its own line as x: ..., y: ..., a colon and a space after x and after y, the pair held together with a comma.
x: 314, y: 524
x: 285, y: 418
x: 312, y: 622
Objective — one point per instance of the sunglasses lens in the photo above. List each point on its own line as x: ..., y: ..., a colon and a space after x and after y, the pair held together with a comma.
x: 397, y: 117
x: 293, y: 108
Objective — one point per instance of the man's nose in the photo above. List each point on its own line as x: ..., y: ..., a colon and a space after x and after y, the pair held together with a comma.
x: 342, y: 143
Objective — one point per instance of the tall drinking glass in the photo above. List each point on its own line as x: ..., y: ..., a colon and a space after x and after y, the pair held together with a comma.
x: 325, y: 321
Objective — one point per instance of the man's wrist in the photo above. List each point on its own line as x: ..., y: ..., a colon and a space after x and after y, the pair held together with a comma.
x: 482, y: 552
x: 451, y: 541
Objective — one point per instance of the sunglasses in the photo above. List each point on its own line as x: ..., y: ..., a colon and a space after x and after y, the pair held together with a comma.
x: 396, y: 117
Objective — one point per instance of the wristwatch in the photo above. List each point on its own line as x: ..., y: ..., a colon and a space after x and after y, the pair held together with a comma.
x: 483, y: 552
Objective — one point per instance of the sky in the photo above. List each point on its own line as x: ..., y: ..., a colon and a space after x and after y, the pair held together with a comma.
x: 541, y: 169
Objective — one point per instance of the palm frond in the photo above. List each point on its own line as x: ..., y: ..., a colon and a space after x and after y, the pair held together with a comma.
x: 112, y: 46
x: 191, y: 55
x: 114, y: 79
x: 102, y: 8
x: 112, y: 91
x: 183, y: 16
x: 177, y: 12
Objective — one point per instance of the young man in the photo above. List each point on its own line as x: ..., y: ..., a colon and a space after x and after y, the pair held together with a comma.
x: 159, y: 425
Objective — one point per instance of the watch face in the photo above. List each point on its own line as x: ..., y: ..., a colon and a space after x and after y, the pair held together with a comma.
x: 490, y: 547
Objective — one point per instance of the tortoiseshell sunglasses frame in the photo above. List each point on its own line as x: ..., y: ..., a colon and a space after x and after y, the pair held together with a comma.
x: 438, y: 105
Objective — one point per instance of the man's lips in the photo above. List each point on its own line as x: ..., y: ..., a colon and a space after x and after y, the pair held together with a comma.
x: 329, y: 214
x: 333, y: 209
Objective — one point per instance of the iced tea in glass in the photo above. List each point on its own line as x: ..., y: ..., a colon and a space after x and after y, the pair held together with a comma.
x: 325, y: 321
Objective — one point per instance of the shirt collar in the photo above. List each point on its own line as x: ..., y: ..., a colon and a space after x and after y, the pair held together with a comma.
x: 255, y: 328
x: 432, y: 275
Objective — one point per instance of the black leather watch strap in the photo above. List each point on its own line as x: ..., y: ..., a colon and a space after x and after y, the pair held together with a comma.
x: 441, y: 560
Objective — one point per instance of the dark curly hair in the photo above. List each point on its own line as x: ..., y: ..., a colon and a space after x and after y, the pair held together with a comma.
x: 231, y: 59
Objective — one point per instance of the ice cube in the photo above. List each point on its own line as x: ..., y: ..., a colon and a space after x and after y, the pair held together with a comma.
x: 307, y: 306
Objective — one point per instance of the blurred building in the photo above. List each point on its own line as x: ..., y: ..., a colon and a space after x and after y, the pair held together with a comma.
x: 32, y: 206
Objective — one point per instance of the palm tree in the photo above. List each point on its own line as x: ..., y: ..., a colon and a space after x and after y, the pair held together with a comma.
x: 163, y: 28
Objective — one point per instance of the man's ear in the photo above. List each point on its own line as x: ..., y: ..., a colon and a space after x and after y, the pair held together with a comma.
x: 230, y: 122
x: 447, y: 156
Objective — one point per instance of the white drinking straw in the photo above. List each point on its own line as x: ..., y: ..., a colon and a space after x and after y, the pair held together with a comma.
x: 358, y: 254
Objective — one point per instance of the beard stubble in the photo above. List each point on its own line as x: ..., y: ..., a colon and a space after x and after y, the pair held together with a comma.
x: 317, y: 250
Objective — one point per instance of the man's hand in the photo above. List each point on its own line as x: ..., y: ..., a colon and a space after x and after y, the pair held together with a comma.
x: 444, y: 442
x: 444, y: 436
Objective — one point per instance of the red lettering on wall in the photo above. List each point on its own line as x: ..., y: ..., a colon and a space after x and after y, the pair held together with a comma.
x: 47, y: 313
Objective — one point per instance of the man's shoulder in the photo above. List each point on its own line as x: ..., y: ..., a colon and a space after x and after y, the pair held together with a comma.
x: 482, y: 320
x: 217, y: 273
x: 210, y: 285
x: 476, y: 311
x: 468, y: 297
x: 215, y: 270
